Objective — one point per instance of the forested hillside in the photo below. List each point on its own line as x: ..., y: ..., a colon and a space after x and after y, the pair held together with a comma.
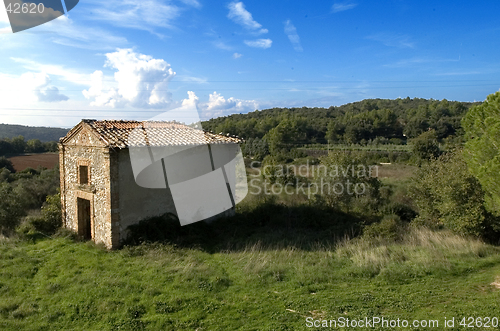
x: 43, y: 134
x: 353, y: 123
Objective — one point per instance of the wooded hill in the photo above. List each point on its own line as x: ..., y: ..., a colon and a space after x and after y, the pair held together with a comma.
x: 358, y: 122
x: 43, y: 134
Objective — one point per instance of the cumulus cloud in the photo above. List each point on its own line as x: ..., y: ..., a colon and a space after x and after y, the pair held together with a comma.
x: 139, y: 81
x: 237, y: 55
x: 50, y: 94
x: 191, y: 100
x: 259, y: 43
x: 294, y: 38
x: 28, y: 88
x: 341, y: 6
x: 239, y: 15
x: 217, y: 105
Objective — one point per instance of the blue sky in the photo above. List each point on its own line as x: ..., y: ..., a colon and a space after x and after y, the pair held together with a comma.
x: 134, y: 59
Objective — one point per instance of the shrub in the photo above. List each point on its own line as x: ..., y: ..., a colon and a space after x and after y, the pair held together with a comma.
x: 6, y: 163
x: 11, y: 209
x: 447, y: 194
x: 347, y: 183
x: 275, y: 172
x: 5, y: 175
x: 389, y: 228
x: 48, y: 221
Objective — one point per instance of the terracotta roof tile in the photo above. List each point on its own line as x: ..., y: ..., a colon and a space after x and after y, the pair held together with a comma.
x: 116, y: 133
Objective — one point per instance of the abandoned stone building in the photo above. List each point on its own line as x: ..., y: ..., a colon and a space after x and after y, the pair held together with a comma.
x: 103, y: 191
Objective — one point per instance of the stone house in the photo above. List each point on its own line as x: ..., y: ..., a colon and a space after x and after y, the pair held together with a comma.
x: 100, y: 194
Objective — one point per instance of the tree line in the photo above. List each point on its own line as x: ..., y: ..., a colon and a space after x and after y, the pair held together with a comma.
x: 19, y: 145
x: 391, y: 121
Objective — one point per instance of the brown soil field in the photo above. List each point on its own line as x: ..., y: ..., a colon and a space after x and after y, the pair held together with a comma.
x: 46, y: 160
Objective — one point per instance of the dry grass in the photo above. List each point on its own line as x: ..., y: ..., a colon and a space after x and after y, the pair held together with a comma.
x: 496, y: 283
x: 420, y: 247
x: 396, y: 171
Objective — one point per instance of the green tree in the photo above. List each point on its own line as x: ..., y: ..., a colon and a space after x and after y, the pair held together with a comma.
x: 34, y: 146
x: 284, y: 136
x: 18, y: 144
x: 447, y: 194
x: 482, y: 149
x: 5, y: 147
x: 426, y: 146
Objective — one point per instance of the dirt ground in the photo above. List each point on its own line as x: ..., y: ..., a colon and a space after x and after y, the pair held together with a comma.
x: 46, y: 160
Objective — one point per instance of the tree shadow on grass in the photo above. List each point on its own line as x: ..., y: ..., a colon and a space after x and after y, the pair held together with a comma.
x: 267, y: 226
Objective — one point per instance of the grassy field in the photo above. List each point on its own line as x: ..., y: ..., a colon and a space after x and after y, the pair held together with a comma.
x: 59, y: 284
x: 279, y: 263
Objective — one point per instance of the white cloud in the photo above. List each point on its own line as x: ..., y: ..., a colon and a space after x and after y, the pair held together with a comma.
x: 140, y: 81
x: 142, y: 15
x: 192, y: 3
x: 4, y: 18
x: 415, y: 61
x: 393, y: 40
x: 294, y: 38
x: 69, y: 75
x: 28, y: 88
x: 259, y: 43
x: 191, y: 79
x: 4, y: 22
x: 237, y: 55
x: 191, y: 100
x: 240, y: 15
x: 7, y: 29
x: 66, y: 32
x: 217, y: 106
x: 50, y: 94
x: 341, y: 6
x: 221, y: 45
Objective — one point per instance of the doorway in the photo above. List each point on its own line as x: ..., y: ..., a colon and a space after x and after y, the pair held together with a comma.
x: 84, y: 219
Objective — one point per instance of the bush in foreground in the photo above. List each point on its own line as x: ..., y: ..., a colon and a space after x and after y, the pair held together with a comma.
x: 48, y: 221
x: 447, y: 195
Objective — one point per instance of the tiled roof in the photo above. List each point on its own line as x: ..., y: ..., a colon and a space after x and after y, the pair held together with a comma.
x: 118, y: 134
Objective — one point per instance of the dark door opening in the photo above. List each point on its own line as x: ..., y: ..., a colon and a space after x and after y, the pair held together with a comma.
x: 84, y: 223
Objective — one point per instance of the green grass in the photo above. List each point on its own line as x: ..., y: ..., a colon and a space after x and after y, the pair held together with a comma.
x: 58, y: 284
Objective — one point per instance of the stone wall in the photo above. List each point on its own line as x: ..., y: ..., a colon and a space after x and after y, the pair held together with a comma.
x: 97, y: 191
x: 116, y: 200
